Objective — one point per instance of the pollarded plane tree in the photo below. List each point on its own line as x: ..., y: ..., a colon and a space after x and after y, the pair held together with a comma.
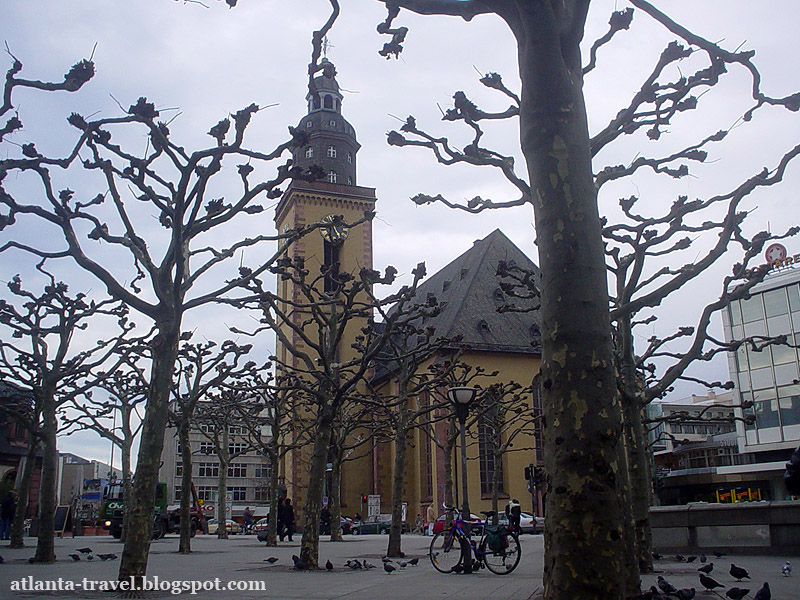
x: 220, y: 417
x: 561, y: 187
x: 106, y: 227
x: 327, y: 308
x: 202, y: 368
x: 272, y: 429
x: 46, y: 351
x: 113, y: 410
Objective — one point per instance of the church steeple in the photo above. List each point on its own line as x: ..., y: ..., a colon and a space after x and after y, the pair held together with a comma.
x: 332, y: 140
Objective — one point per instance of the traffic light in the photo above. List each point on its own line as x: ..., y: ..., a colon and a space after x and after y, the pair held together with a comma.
x: 529, y: 472
x: 538, y: 475
x: 364, y: 498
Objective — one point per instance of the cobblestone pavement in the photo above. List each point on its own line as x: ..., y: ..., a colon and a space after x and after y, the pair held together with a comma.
x: 241, y: 559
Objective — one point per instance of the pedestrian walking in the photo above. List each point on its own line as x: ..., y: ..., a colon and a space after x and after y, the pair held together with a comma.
x: 514, y: 514
x: 431, y: 518
x: 288, y: 519
x: 7, y: 510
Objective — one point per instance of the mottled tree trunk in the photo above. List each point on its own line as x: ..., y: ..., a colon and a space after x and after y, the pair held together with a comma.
x: 127, y: 486
x: 272, y: 523
x: 140, y: 525
x: 335, y: 499
x: 45, y: 546
x: 398, y: 483
x: 449, y: 487
x: 185, y: 543
x: 584, y: 542
x: 498, y: 457
x: 222, y: 486
x: 22, y: 487
x: 309, y: 545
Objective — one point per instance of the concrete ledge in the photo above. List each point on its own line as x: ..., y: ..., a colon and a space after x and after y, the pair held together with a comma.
x: 744, y: 528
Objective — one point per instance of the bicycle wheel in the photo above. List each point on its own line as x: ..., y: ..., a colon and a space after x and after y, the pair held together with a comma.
x: 445, y: 551
x: 504, y: 561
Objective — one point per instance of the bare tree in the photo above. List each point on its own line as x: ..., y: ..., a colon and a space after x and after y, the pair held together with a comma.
x: 561, y: 187
x: 45, y: 358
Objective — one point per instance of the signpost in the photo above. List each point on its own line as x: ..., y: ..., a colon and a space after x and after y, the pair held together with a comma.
x: 373, y: 505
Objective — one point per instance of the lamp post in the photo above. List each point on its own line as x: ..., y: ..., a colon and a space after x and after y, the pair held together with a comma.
x: 461, y: 397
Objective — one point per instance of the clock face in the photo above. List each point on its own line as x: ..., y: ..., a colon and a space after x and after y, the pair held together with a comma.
x: 775, y: 252
x: 334, y: 230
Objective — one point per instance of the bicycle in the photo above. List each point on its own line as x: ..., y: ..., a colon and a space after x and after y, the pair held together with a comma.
x: 497, y: 548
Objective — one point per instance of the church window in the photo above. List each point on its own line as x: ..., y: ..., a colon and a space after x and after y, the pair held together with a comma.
x: 316, y: 102
x: 309, y: 124
x: 309, y: 152
x: 332, y: 122
x: 328, y: 102
x: 489, y: 433
x: 338, y: 104
x: 332, y: 176
x: 331, y: 151
x: 349, y: 180
x: 330, y: 265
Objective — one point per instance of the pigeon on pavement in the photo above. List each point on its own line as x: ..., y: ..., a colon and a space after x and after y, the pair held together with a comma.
x: 787, y: 569
x: 763, y: 593
x: 389, y: 568
x: 709, y: 583
x: 703, y: 558
x: 691, y: 558
x: 299, y: 565
x: 413, y: 562
x: 707, y: 568
x: 736, y: 593
x: 107, y: 556
x: 84, y: 550
x: 685, y: 594
x: 271, y: 559
x: 75, y: 557
x: 738, y: 573
x: 329, y: 565
x: 368, y: 565
x: 665, y: 586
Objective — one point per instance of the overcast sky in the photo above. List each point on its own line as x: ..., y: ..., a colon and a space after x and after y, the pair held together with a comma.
x: 205, y: 63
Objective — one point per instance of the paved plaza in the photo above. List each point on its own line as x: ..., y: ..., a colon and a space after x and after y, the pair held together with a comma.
x: 241, y: 559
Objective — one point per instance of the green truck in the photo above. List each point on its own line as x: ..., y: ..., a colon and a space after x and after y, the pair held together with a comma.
x: 164, y: 521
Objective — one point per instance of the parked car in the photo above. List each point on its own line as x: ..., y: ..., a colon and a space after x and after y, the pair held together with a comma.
x: 232, y: 526
x: 375, y: 524
x: 527, y: 522
x: 260, y: 525
x: 438, y: 524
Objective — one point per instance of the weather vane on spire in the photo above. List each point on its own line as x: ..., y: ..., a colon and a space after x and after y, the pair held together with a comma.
x: 325, y: 45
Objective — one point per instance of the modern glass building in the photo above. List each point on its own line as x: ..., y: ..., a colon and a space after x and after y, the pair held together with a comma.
x: 768, y: 378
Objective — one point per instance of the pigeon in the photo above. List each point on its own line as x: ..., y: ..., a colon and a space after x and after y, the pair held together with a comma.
x: 271, y: 560
x: 703, y: 558
x: 707, y: 568
x: 403, y: 564
x: 413, y: 562
x: 75, y: 557
x: 787, y: 569
x: 299, y: 565
x: 763, y: 593
x: 386, y: 559
x: 736, y: 593
x: 719, y: 554
x: 665, y: 586
x: 368, y: 565
x: 685, y: 594
x: 357, y: 564
x: 389, y: 568
x: 107, y: 556
x: 650, y: 594
x: 691, y: 558
x: 680, y: 557
x: 738, y: 573
x: 329, y: 565
x: 33, y: 559
x: 709, y: 582
x: 90, y: 557
x: 84, y: 550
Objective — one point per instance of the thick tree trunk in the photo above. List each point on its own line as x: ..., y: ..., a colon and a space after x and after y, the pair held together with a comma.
x: 584, y: 539
x: 335, y: 499
x: 127, y: 486
x: 449, y: 486
x: 45, y: 547
x: 22, y: 487
x: 398, y: 486
x: 140, y: 525
x: 222, y: 490
x: 309, y: 545
x: 498, y: 457
x: 185, y: 543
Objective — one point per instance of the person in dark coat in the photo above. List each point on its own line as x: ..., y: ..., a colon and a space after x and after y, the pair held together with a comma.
x: 288, y: 518
x: 325, y: 521
x: 7, y: 509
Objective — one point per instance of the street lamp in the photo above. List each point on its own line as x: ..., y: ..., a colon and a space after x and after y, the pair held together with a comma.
x: 461, y: 398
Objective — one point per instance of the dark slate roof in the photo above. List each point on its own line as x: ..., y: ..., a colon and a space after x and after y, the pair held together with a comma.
x: 470, y: 291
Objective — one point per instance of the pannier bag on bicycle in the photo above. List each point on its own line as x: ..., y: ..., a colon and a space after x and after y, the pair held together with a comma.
x: 497, y: 537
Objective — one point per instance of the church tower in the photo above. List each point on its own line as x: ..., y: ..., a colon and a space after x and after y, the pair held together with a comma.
x: 332, y: 146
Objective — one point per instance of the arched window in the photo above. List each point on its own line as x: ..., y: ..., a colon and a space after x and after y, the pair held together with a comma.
x: 316, y: 102
x: 331, y: 151
x: 328, y: 102
x: 349, y: 180
x: 332, y: 176
x: 338, y: 104
x: 309, y: 152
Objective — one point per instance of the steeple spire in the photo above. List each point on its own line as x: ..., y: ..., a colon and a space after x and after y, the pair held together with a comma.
x: 332, y: 140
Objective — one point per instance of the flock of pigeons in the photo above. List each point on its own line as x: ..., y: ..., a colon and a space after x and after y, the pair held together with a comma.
x: 352, y: 564
x: 666, y: 590
x: 76, y: 557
